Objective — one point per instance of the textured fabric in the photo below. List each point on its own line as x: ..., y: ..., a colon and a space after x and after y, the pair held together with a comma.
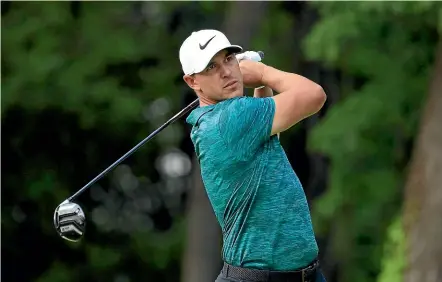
x: 255, y: 194
x: 221, y: 278
x: 307, y: 274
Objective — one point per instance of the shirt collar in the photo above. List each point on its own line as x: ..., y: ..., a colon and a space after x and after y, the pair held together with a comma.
x: 197, y: 113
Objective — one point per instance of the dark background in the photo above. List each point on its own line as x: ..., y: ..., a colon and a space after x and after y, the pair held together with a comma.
x: 83, y: 82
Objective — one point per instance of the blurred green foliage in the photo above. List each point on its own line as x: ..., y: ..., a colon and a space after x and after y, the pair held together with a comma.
x: 56, y: 60
x: 100, y: 63
x: 390, y: 47
x: 393, y: 260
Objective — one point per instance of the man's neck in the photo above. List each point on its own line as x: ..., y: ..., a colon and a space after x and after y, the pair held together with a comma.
x: 204, y: 101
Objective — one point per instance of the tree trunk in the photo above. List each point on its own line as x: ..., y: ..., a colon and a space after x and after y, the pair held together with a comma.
x: 201, y: 261
x: 202, y: 257
x: 242, y: 21
x: 423, y: 198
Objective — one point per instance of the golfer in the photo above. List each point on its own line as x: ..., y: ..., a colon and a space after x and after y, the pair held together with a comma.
x: 257, y: 198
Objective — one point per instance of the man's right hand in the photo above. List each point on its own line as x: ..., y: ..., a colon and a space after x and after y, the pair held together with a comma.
x: 252, y: 73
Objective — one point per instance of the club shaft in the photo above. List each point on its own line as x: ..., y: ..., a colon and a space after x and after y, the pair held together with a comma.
x: 191, y: 106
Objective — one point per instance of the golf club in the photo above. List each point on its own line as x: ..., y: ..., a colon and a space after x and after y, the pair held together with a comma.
x: 69, y: 218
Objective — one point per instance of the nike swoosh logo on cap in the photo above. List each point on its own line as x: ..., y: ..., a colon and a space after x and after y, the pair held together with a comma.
x: 202, y: 47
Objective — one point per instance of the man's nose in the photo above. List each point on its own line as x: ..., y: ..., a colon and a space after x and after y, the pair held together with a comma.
x: 225, y: 71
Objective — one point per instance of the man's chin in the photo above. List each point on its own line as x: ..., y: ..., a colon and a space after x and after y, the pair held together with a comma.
x: 230, y: 95
x: 234, y: 94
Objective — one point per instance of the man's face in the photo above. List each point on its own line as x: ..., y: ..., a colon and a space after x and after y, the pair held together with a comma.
x: 221, y: 80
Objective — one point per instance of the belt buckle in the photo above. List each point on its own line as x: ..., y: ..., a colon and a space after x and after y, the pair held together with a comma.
x: 304, y: 278
x: 308, y: 274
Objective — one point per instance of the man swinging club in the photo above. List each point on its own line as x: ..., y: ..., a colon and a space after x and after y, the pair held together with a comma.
x: 257, y: 198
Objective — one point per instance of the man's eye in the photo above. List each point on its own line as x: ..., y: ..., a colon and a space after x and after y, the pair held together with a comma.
x: 211, y: 66
x: 229, y: 58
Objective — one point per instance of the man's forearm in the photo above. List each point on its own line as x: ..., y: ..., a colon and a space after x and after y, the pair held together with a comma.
x: 298, y: 98
x: 263, y: 92
x: 282, y: 81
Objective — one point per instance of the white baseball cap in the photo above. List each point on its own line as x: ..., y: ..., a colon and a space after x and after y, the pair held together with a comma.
x: 200, y: 47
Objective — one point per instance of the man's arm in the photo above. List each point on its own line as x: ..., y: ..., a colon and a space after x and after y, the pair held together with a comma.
x: 263, y: 92
x: 299, y: 97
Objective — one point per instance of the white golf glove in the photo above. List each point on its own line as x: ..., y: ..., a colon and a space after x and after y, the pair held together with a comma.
x: 249, y: 55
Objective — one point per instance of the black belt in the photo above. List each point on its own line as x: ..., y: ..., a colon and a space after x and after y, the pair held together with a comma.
x: 307, y: 274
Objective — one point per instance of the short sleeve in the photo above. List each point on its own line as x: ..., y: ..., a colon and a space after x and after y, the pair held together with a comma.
x: 245, y: 124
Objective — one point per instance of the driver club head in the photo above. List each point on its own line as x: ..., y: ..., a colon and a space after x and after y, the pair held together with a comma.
x: 70, y: 221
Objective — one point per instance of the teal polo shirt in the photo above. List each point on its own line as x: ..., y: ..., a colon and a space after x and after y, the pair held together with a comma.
x: 257, y: 198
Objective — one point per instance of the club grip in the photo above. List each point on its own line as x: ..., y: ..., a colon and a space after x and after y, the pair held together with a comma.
x: 261, y: 54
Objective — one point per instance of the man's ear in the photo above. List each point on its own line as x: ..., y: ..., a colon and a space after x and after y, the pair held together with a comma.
x: 191, y: 81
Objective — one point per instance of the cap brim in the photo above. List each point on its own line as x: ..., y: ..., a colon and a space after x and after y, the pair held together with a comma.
x: 206, y: 61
